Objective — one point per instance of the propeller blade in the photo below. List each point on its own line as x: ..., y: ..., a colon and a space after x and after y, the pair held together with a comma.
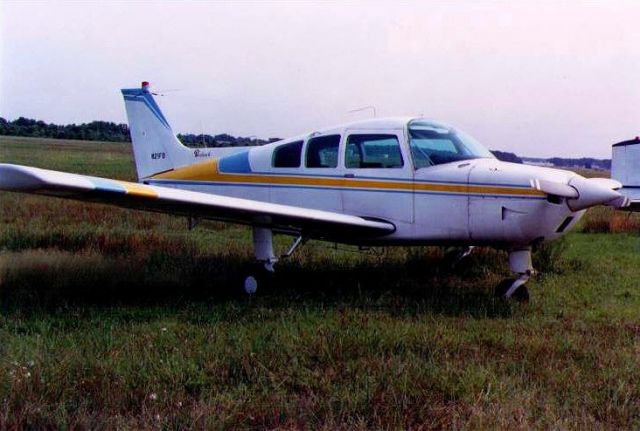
x: 554, y: 188
x: 621, y: 202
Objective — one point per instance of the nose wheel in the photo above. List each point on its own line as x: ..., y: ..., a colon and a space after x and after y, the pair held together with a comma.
x: 513, y: 288
x: 520, y: 263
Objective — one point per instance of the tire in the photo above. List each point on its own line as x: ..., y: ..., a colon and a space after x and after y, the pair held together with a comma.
x: 250, y: 284
x: 521, y: 294
x: 256, y: 278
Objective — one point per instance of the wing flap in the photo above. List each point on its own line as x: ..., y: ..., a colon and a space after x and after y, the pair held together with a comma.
x: 286, y: 218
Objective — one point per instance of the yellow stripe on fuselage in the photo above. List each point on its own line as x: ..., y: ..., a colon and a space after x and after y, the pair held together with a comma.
x: 202, y: 171
x: 497, y: 190
x: 208, y: 171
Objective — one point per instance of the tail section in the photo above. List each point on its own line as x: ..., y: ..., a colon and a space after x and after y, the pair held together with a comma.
x: 155, y: 147
x: 625, y: 168
x: 625, y: 162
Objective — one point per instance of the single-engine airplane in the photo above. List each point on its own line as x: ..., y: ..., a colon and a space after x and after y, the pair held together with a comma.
x: 378, y: 182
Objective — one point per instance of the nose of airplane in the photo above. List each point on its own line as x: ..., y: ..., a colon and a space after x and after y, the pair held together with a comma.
x: 582, y: 193
x: 595, y: 191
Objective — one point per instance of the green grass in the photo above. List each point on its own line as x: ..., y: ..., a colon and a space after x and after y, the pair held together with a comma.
x: 120, y: 319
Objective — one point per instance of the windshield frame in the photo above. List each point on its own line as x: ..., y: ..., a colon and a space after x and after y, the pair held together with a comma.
x: 467, y: 148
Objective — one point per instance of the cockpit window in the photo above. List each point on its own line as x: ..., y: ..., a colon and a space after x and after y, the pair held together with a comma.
x: 435, y: 144
x: 373, y: 151
x: 322, y: 152
x: 287, y: 155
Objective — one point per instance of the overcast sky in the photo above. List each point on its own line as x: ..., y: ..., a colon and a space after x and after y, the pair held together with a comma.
x: 536, y: 78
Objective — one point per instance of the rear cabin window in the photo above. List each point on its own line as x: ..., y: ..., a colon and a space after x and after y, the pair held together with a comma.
x: 373, y: 151
x: 287, y: 155
x: 322, y: 152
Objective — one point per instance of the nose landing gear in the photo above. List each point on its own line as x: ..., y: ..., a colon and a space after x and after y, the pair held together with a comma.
x: 520, y: 263
x: 514, y: 288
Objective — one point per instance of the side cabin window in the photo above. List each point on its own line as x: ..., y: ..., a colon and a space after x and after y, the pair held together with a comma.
x: 287, y: 155
x: 322, y: 152
x: 373, y: 151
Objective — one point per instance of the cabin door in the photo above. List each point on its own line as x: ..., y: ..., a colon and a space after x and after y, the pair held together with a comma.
x: 378, y: 178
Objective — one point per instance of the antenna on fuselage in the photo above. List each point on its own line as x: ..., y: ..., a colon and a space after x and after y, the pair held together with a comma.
x: 373, y: 108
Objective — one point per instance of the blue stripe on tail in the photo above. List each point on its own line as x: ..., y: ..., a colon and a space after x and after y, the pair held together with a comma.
x: 138, y: 95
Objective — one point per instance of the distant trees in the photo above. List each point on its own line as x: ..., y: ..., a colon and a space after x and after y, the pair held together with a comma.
x: 94, y: 131
x: 584, y: 162
x: 107, y: 131
x: 221, y: 140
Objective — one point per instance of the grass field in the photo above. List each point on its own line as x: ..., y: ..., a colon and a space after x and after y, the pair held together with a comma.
x: 112, y: 318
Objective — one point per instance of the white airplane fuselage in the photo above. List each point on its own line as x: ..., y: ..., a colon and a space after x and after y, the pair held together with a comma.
x: 481, y: 201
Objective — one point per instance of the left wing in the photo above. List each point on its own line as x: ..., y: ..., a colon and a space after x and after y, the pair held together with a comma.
x: 281, y: 218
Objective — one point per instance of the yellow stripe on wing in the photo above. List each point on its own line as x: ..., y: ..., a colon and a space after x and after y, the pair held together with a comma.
x: 138, y: 190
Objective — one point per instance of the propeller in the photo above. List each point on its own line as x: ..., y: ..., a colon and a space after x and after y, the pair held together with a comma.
x: 582, y: 193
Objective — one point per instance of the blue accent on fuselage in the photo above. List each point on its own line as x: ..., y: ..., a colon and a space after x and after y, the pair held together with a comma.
x: 235, y: 164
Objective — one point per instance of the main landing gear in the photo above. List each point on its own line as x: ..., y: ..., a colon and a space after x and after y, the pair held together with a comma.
x: 261, y: 273
x: 520, y: 263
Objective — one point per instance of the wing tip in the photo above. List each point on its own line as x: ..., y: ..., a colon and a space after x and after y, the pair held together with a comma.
x: 17, y: 177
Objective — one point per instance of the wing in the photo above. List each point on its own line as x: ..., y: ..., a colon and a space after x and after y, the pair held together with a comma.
x: 282, y: 218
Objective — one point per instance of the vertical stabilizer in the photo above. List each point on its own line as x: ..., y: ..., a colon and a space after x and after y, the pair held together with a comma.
x: 155, y: 147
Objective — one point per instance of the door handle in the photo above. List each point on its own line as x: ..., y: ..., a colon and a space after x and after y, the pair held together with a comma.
x: 349, y: 175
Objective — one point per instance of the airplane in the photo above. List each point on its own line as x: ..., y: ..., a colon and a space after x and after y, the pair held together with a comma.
x: 378, y: 182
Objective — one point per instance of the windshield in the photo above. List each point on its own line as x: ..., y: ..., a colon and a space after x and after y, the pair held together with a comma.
x: 435, y: 143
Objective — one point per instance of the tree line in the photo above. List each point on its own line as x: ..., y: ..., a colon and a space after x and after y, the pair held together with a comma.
x: 94, y: 131
x: 112, y: 132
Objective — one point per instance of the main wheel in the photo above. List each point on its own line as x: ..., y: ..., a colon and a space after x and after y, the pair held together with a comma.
x: 250, y: 284
x: 256, y: 277
x: 521, y: 294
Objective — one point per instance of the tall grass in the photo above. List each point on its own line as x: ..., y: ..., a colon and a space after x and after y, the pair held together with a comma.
x: 608, y: 220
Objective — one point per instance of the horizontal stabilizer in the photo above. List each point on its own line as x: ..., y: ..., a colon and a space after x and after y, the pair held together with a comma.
x: 283, y: 218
